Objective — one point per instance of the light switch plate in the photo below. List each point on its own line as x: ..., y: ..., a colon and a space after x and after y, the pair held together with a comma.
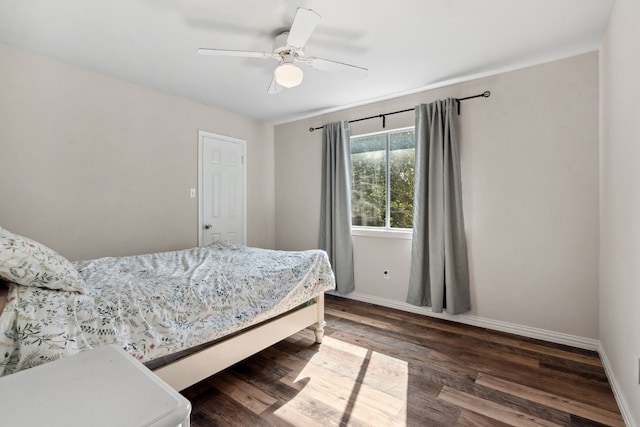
x: 192, y: 193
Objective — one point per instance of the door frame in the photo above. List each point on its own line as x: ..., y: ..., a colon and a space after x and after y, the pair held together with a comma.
x: 201, y: 135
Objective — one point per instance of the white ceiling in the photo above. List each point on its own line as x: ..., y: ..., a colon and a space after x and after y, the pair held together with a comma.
x: 407, y: 45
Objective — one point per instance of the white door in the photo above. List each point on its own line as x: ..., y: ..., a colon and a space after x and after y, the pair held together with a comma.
x: 222, y: 189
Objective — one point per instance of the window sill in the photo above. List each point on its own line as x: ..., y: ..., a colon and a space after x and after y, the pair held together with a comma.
x: 384, y: 233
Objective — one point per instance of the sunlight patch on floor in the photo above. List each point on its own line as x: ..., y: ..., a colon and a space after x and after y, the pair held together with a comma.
x: 375, y: 391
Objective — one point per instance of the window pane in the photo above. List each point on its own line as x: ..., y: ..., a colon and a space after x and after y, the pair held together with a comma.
x: 401, y: 178
x: 369, y: 187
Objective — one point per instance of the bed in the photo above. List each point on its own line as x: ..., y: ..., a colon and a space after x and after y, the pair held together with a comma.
x: 186, y: 314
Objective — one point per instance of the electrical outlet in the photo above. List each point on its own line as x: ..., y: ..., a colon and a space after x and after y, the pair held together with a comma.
x: 386, y: 274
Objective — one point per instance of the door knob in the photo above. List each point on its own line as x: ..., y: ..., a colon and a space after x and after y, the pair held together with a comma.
x: 208, y: 226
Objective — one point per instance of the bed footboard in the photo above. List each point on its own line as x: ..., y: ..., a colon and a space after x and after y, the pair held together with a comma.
x: 187, y: 371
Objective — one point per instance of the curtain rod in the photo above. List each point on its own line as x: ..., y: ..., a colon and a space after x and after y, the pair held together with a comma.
x: 484, y: 94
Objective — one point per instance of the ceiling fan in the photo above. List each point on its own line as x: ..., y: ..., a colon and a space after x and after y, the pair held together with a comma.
x: 288, y: 49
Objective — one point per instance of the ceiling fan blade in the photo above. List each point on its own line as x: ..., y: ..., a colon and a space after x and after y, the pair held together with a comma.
x: 328, y: 65
x: 274, y: 87
x: 303, y: 25
x: 240, y: 53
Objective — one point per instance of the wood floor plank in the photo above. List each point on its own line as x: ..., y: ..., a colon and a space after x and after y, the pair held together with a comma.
x: 365, y: 402
x: 248, y: 396
x: 563, y: 387
x: 560, y: 383
x: 382, y: 367
x: 329, y: 386
x: 291, y: 415
x: 473, y: 419
x: 382, y: 372
x: 414, y: 355
x: 307, y: 406
x: 548, y: 399
x: 492, y: 410
x: 219, y: 409
x: 426, y: 410
x: 457, y: 357
x: 530, y: 345
x: 443, y: 339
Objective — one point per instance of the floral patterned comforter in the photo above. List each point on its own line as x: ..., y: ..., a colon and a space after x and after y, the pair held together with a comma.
x: 157, y: 304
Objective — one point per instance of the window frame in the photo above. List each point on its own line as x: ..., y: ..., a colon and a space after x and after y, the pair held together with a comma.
x: 386, y: 230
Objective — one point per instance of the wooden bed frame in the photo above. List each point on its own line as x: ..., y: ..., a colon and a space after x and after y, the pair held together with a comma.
x: 188, y: 370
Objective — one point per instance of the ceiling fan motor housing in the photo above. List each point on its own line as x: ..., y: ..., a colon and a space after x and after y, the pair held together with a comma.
x: 281, y: 47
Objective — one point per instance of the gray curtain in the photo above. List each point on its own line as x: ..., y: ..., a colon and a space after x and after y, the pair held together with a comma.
x: 335, y: 205
x: 439, y: 275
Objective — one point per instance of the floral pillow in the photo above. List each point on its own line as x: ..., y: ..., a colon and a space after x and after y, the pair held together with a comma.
x: 29, y: 263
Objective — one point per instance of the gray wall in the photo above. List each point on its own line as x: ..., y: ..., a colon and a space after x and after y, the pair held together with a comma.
x: 620, y: 203
x: 530, y: 182
x: 94, y: 166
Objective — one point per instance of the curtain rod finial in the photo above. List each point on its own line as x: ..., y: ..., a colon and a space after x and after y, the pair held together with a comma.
x: 486, y: 94
x: 311, y: 129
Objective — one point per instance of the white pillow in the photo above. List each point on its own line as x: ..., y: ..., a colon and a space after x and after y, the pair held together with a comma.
x: 29, y: 263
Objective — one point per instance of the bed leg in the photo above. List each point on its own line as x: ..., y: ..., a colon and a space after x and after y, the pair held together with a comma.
x: 319, y: 330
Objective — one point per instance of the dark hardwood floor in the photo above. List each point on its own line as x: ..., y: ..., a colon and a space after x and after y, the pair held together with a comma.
x: 383, y: 367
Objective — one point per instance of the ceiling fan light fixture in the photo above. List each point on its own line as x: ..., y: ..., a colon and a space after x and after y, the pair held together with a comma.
x: 287, y: 74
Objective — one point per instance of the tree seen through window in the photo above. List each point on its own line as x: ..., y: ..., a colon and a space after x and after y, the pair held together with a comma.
x: 382, y: 179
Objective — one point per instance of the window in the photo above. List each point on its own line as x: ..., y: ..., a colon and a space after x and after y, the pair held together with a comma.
x: 382, y: 172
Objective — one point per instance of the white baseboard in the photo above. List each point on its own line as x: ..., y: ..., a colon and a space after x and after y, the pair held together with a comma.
x: 622, y: 402
x: 497, y: 325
